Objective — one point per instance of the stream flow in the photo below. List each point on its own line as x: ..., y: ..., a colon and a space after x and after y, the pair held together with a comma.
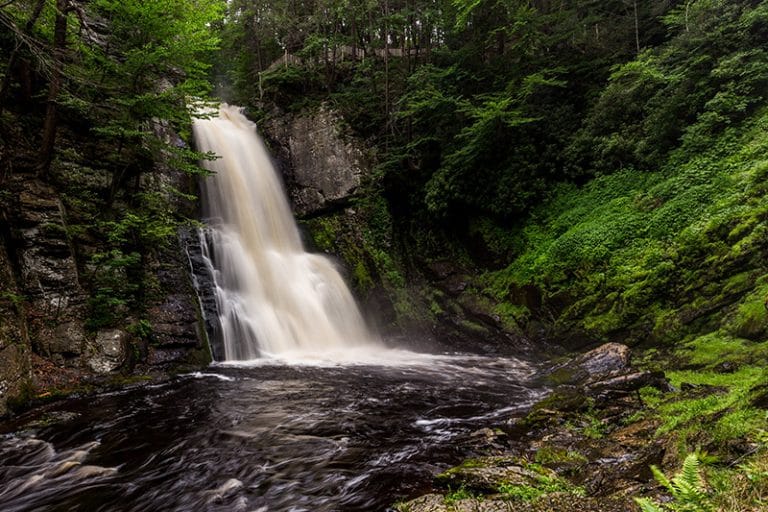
x: 263, y: 438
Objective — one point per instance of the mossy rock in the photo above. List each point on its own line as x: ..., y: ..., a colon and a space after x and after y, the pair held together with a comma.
x: 488, y: 474
x: 560, y: 502
x: 562, y: 399
x: 565, y: 375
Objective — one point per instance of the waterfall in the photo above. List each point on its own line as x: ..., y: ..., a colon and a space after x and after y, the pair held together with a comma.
x: 272, y: 296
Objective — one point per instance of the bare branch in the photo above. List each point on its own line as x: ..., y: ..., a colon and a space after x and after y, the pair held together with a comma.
x: 37, y: 48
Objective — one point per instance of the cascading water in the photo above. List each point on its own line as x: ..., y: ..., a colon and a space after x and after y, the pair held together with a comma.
x: 273, y: 298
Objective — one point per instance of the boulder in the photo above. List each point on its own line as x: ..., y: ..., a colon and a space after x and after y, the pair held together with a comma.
x: 623, y: 384
x: 109, y: 350
x: 604, y: 362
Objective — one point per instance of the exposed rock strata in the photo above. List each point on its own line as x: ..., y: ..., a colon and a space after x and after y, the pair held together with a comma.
x: 323, y: 167
x: 46, y: 342
x: 14, y: 352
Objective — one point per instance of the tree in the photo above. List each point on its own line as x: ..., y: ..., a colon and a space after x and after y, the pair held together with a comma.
x: 63, y: 8
x: 22, y: 39
x: 155, y: 59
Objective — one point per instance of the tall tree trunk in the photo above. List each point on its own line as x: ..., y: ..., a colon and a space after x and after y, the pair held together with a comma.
x: 15, y: 53
x: 386, y: 61
x: 54, y: 88
x: 637, y: 28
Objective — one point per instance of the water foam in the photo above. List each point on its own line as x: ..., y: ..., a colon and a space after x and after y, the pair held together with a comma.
x: 274, y: 299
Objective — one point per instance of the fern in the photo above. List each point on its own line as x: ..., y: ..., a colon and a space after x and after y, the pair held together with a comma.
x: 691, y: 489
x: 646, y: 505
x: 687, y: 488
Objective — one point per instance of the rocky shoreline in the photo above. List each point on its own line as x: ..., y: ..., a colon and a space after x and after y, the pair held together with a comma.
x: 583, y: 447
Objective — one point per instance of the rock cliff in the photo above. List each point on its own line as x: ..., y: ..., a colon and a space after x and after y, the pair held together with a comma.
x: 323, y: 167
x: 54, y: 239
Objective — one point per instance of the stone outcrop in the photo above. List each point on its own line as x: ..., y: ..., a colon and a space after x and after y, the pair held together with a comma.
x: 50, y: 283
x: 48, y: 338
x: 14, y: 352
x: 322, y: 166
x: 606, y: 361
x: 603, y: 372
x: 588, y: 456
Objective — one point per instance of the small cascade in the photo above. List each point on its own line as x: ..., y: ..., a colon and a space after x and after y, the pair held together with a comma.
x: 272, y: 296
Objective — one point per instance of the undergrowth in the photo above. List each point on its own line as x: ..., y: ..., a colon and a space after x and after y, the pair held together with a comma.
x: 652, y: 255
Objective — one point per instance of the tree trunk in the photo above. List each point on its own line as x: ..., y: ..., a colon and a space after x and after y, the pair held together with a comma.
x: 386, y: 61
x: 15, y: 53
x: 54, y: 88
x: 637, y: 28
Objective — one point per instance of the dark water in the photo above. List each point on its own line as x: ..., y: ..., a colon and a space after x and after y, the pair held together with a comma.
x: 261, y: 438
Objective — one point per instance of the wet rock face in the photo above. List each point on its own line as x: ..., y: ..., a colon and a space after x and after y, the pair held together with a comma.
x: 49, y: 281
x: 323, y: 167
x: 204, y: 285
x: 44, y: 342
x: 173, y: 311
x: 14, y: 355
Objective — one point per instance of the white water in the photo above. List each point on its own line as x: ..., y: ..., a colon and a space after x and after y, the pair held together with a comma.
x: 273, y: 297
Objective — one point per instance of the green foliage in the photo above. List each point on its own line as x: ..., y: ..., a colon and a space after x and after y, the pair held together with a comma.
x: 635, y: 247
x: 289, y: 85
x: 549, y: 455
x: 688, y: 90
x: 489, y: 124
x: 745, y: 486
x: 714, y: 348
x: 462, y: 493
x: 163, y: 52
x: 12, y: 297
x: 115, y: 285
x: 589, y: 426
x: 141, y: 329
x: 717, y: 407
x: 544, y: 485
x: 448, y: 91
x: 725, y: 405
x: 687, y: 488
x: 750, y: 319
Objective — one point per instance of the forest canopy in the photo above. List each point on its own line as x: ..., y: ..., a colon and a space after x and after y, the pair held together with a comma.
x: 480, y: 107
